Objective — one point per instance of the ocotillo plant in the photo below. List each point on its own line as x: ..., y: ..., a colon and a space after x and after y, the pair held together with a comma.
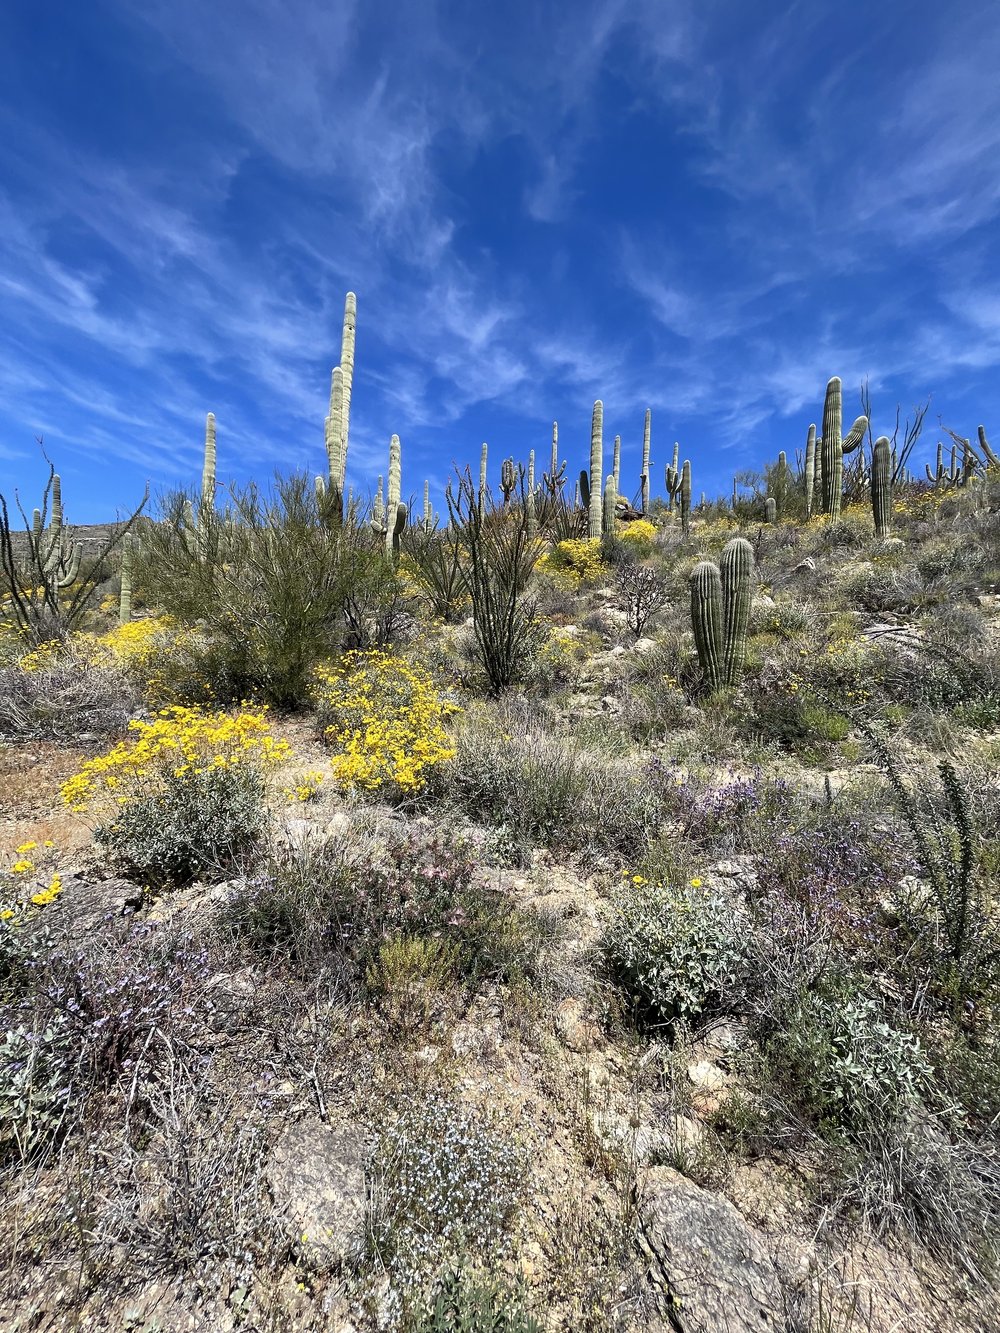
x: 881, y: 486
x: 644, y: 476
x: 834, y: 447
x: 610, y: 504
x: 720, y: 612
x: 594, y: 505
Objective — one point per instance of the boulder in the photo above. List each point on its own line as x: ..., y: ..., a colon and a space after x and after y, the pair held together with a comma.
x: 317, y: 1177
x: 711, y: 1271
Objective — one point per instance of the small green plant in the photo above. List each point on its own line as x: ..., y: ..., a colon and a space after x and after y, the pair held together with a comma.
x: 470, y: 1303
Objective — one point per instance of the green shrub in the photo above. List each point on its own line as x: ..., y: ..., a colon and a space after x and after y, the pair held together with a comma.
x: 196, y: 826
x: 470, y: 1303
x: 676, y: 953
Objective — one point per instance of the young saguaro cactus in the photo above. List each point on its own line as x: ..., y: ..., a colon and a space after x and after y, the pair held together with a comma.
x: 720, y: 612
x: 610, y: 505
x: 770, y: 510
x: 125, y: 588
x: 882, y: 486
x: 834, y: 447
x: 595, y: 515
x: 686, y: 498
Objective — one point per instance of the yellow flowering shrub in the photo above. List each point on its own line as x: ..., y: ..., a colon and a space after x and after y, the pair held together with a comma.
x: 178, y: 743
x: 384, y: 718
x: 30, y: 881
x: 639, y: 532
x: 574, y: 561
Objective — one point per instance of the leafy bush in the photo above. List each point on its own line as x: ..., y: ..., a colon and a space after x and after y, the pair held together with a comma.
x: 467, y: 1302
x: 36, y: 1077
x: 384, y: 718
x: 185, y: 798
x: 676, y: 953
x: 63, y: 696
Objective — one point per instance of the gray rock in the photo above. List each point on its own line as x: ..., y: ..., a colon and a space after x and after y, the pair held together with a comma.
x: 711, y: 1271
x: 86, y: 909
x: 316, y: 1174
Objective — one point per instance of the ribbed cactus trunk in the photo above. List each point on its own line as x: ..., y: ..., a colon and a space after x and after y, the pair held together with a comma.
x: 347, y: 368
x: 483, y: 458
x: 644, y: 477
x: 770, y: 510
x: 378, y: 508
x: 707, y: 621
x: 835, y: 447
x: 991, y: 458
x: 392, y: 495
x: 686, y: 498
x: 736, y: 568
x: 428, y: 513
x: 810, y: 475
x: 334, y: 430
x: 125, y: 590
x: 208, y: 466
x: 554, y: 466
x: 882, y: 487
x: 530, y: 517
x: 616, y: 462
x: 595, y: 509
x: 508, y: 479
x: 610, y: 503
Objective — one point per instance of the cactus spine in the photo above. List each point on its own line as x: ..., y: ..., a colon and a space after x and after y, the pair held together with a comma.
x: 810, y: 477
x: 720, y: 612
x: 644, y: 478
x: 594, y: 506
x: 392, y: 496
x: 616, y: 462
x: 770, y: 510
x: 686, y: 498
x: 882, y: 486
x: 610, y: 502
x: 834, y: 447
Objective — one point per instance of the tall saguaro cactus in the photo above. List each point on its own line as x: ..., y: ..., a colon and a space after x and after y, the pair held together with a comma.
x: 834, y: 447
x: 392, y: 504
x: 644, y: 478
x: 686, y: 497
x: 610, y: 504
x: 810, y: 469
x: 125, y: 589
x: 595, y: 506
x: 720, y: 612
x: 208, y: 465
x: 616, y: 462
x: 483, y: 457
x: 347, y: 339
x: 530, y: 516
x: 882, y: 486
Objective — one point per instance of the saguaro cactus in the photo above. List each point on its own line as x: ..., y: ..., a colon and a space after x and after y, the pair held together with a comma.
x: 616, y: 462
x: 882, y: 486
x: 530, y: 517
x: 428, y: 512
x: 396, y: 534
x: 810, y: 469
x: 644, y: 476
x: 834, y: 447
x: 673, y: 477
x: 508, y: 479
x: 483, y: 456
x: 125, y: 590
x: 686, y: 498
x: 594, y: 505
x: 770, y: 510
x: 392, y: 494
x: 208, y: 465
x: 720, y: 612
x: 610, y: 502
x: 991, y: 458
x: 347, y: 367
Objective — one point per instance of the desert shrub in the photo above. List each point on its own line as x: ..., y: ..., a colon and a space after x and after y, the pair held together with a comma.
x: 36, y: 1078
x: 643, y: 592
x: 467, y: 1302
x: 674, y: 952
x: 501, y: 556
x: 58, y: 693
x: 574, y: 561
x: 435, y: 560
x: 184, y: 798
x: 365, y: 910
x: 450, y: 1186
x: 545, y: 790
x: 270, y: 579
x: 384, y: 719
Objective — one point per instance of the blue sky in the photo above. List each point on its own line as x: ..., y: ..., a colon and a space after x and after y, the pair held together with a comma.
x: 703, y: 208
